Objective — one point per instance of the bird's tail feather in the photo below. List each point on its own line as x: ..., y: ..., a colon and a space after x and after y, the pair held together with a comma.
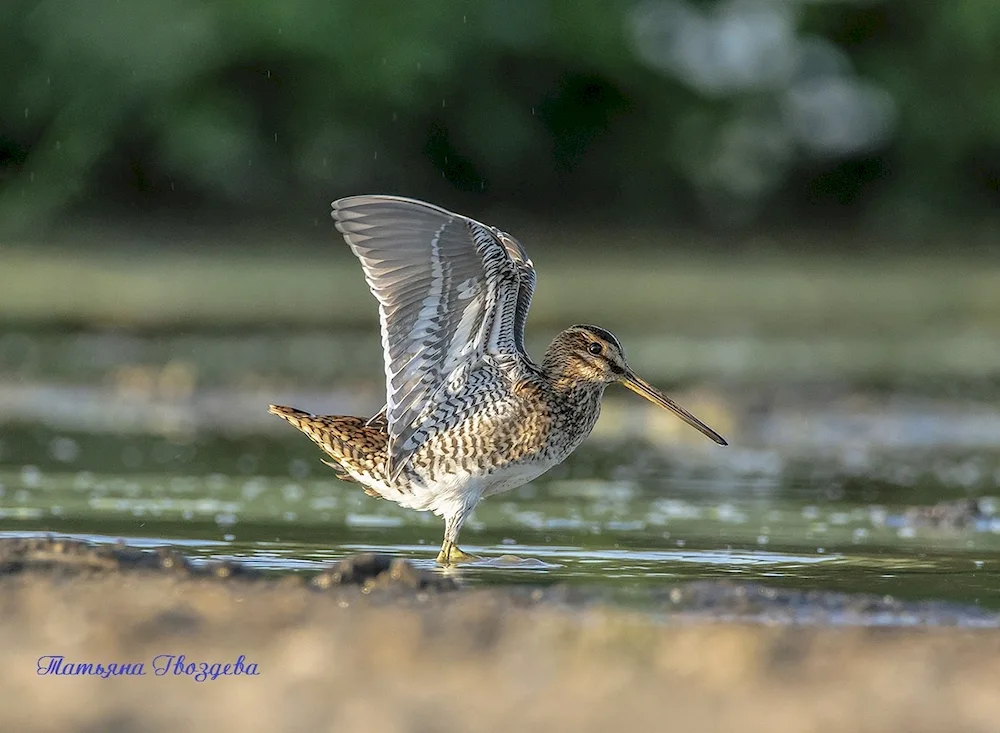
x: 358, y: 449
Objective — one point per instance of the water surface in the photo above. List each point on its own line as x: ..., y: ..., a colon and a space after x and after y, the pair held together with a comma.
x: 621, y: 517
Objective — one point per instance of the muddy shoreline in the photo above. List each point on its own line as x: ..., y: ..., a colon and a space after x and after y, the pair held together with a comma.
x: 374, y: 644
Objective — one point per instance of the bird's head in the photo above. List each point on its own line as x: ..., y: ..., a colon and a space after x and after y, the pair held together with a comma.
x: 591, y: 355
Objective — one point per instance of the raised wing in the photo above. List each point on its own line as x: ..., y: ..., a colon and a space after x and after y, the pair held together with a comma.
x: 526, y: 286
x: 451, y: 292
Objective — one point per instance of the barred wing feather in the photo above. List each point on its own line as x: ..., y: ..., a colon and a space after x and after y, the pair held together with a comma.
x: 526, y: 286
x: 451, y: 292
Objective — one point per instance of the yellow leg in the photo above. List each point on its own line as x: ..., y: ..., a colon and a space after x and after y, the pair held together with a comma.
x: 452, y: 553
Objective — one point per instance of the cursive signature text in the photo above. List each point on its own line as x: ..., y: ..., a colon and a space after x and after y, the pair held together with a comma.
x: 162, y: 665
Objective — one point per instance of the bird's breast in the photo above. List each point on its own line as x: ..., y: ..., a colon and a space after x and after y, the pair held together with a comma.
x: 504, y: 441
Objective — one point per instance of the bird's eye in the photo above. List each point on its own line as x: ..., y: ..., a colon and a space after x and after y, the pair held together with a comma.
x: 595, y: 348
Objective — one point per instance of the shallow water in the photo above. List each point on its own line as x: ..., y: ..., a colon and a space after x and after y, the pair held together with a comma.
x: 843, y: 442
x: 622, y: 518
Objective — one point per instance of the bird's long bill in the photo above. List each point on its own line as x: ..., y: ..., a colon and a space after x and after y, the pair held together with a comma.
x: 642, y: 387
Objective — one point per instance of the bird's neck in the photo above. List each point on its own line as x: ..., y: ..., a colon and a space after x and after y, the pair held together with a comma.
x: 558, y: 372
x: 566, y: 384
x: 574, y: 406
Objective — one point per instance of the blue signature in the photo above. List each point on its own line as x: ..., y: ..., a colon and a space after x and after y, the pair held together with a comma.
x: 162, y: 664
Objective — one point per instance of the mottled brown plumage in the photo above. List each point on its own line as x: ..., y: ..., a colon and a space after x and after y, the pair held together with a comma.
x: 469, y: 415
x: 498, y: 441
x: 348, y: 440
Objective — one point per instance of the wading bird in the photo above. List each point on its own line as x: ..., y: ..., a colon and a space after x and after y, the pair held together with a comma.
x: 468, y: 413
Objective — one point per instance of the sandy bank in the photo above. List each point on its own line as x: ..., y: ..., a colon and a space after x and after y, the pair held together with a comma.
x: 376, y: 646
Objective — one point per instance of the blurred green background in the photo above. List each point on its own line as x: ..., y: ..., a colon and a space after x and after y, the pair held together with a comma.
x: 757, y: 194
x: 741, y: 113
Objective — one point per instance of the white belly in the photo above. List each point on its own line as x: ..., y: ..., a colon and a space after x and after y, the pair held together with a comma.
x: 447, y: 493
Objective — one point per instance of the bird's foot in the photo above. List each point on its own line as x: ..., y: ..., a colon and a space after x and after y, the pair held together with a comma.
x: 452, y: 553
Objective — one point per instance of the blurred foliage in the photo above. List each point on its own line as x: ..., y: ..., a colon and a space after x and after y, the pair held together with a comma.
x: 716, y: 112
